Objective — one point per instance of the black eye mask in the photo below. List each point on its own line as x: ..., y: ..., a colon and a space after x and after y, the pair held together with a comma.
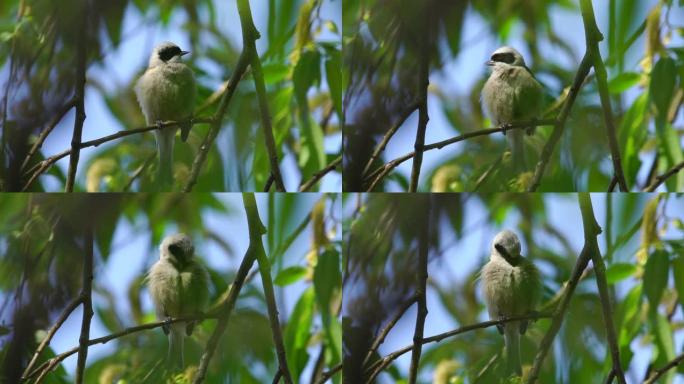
x: 507, y: 256
x: 506, y: 57
x: 168, y: 52
x: 176, y: 251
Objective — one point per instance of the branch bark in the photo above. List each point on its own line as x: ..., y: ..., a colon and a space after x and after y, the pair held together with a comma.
x: 79, y: 98
x: 87, y: 298
x: 423, y: 83
x: 319, y: 175
x: 593, y: 37
x: 256, y: 230
x: 662, y: 178
x: 657, y: 373
x: 249, y: 36
x: 421, y: 289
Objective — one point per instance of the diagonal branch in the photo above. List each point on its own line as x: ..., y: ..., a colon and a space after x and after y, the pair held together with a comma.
x: 249, y: 36
x: 593, y: 36
x: 559, y: 126
x: 662, y: 178
x: 79, y: 99
x: 655, y: 375
x: 600, y: 272
x: 87, y: 298
x: 388, y: 327
x: 378, y: 174
x: 256, y: 231
x: 319, y: 175
x: 46, y: 132
x: 44, y: 165
x: 383, y: 363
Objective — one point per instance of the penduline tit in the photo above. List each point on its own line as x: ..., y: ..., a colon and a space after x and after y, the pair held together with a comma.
x: 166, y: 92
x: 511, y: 286
x: 178, y: 285
x: 512, y: 94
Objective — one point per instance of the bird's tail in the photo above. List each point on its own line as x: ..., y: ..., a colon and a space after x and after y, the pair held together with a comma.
x: 512, y: 339
x: 175, y: 358
x: 517, y: 143
x: 165, y: 140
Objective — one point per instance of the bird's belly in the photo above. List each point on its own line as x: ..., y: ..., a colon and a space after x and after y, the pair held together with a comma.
x: 498, y: 97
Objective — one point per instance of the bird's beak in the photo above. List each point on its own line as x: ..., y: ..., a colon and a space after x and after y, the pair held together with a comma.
x: 183, y: 53
x: 489, y: 62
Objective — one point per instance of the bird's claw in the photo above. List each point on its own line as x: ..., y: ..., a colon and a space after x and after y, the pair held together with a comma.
x: 506, y: 127
x: 166, y: 327
x: 160, y: 124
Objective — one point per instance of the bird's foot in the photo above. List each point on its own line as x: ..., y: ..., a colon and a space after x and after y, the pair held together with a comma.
x: 166, y: 327
x: 506, y: 127
x: 160, y: 124
x: 500, y: 327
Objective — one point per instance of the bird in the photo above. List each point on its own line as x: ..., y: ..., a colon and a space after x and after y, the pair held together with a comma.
x: 511, y: 286
x: 166, y: 92
x: 512, y: 94
x: 178, y: 285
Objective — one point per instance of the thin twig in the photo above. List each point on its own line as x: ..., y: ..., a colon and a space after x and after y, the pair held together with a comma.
x: 44, y: 165
x: 46, y: 132
x: 319, y: 175
x: 662, y: 178
x: 139, y: 171
x: 386, y: 138
x: 593, y: 36
x: 87, y: 298
x: 385, y: 169
x: 383, y: 363
x: 388, y: 327
x: 249, y: 36
x: 559, y: 126
x: 656, y: 373
x: 45, y: 366
x: 79, y: 99
x: 330, y: 373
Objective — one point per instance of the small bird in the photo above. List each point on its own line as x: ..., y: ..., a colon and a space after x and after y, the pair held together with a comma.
x: 179, y: 287
x: 512, y: 94
x: 166, y: 92
x: 512, y: 287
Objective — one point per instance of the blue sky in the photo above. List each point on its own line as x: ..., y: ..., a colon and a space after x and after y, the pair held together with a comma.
x: 140, y: 33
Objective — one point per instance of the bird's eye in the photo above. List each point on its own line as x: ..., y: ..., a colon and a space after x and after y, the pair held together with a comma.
x: 505, y: 57
x: 167, y: 53
x: 175, y: 250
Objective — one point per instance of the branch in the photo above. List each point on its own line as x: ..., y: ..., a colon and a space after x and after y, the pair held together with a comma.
x: 593, y: 36
x: 423, y: 83
x: 591, y: 229
x: 139, y: 171
x: 44, y: 134
x: 44, y: 165
x: 602, y: 283
x: 421, y: 282
x: 662, y: 178
x: 328, y: 374
x: 388, y: 327
x: 227, y: 309
x: 51, y: 363
x: 200, y: 158
x: 386, y: 138
x: 87, y: 298
x: 559, y: 126
x: 79, y: 100
x: 249, y: 36
x: 383, y: 363
x: 655, y: 375
x: 256, y: 231
x: 385, y: 169
x: 319, y: 175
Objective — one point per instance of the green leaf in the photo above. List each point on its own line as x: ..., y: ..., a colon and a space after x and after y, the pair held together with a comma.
x: 328, y: 281
x: 663, y: 81
x: 655, y: 277
x: 678, y: 273
x: 333, y: 73
x: 275, y: 72
x: 623, y: 82
x: 290, y: 275
x: 619, y: 271
x: 298, y: 332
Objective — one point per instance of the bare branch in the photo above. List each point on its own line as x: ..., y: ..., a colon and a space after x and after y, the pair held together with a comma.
x: 319, y: 175
x: 87, y: 298
x: 662, y: 178
x: 423, y: 83
x: 388, y: 327
x: 46, y: 132
x: 421, y: 291
x: 657, y: 373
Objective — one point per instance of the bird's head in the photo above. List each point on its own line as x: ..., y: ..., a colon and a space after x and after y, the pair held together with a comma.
x: 166, y: 52
x: 177, y: 248
x: 506, y: 245
x: 506, y: 56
